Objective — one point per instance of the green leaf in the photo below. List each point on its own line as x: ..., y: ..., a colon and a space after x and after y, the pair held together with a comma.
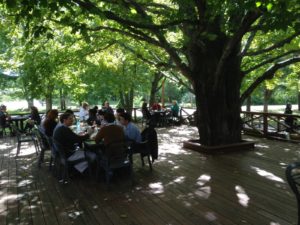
x: 258, y: 4
x: 269, y: 6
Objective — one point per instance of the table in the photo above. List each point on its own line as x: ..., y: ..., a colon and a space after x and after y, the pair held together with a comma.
x: 19, y: 121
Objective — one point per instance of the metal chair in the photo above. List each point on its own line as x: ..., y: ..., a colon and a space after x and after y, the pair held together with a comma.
x: 115, y: 156
x: 43, y: 143
x: 23, y: 138
x: 293, y: 177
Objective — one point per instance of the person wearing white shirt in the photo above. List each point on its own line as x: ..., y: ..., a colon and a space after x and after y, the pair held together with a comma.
x: 84, y: 111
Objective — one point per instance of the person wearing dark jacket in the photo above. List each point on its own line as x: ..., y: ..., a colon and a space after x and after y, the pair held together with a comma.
x: 68, y: 140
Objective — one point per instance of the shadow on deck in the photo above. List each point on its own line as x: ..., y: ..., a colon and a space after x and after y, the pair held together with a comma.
x: 185, y: 187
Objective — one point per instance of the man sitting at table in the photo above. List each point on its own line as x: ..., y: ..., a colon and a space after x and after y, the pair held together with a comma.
x: 132, y: 133
x: 68, y: 139
x: 110, y: 132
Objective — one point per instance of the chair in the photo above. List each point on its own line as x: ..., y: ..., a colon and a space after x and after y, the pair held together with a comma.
x: 115, y: 156
x: 63, y: 161
x: 149, y: 134
x: 43, y: 143
x: 22, y: 138
x: 293, y: 177
x: 143, y: 149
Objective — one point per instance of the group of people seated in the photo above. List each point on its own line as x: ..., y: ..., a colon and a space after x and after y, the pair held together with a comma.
x: 6, y: 120
x: 105, y: 128
x: 156, y: 114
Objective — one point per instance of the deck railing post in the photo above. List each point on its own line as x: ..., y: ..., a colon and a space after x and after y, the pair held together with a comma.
x: 265, y: 124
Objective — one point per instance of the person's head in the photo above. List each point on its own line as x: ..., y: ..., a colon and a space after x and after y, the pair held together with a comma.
x: 144, y: 105
x: 52, y: 114
x: 174, y: 102
x: 67, y: 119
x: 109, y: 117
x: 95, y: 108
x: 69, y: 111
x: 34, y: 109
x: 85, y: 105
x: 125, y: 118
x: 106, y: 104
x: 289, y: 106
x: 3, y: 108
x: 92, y: 112
x: 120, y: 110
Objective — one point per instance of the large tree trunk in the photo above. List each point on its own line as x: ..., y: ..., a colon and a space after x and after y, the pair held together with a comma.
x: 29, y: 102
x: 155, y: 87
x: 48, y: 102
x: 218, y: 104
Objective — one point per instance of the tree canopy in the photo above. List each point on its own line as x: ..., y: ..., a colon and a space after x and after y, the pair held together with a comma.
x: 223, y: 49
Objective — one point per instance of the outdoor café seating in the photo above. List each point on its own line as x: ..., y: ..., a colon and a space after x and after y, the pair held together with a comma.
x: 25, y: 138
x: 114, y: 156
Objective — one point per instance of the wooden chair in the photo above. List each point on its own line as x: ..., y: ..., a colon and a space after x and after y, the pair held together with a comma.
x: 23, y: 138
x: 115, y: 156
x: 293, y: 177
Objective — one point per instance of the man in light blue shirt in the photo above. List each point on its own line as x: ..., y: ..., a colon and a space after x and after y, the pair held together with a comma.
x: 132, y: 133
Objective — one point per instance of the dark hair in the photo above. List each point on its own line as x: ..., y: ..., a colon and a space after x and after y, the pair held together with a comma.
x: 52, y: 114
x: 101, y: 112
x: 70, y: 111
x: 144, y: 105
x: 126, y: 116
x: 64, y: 116
x: 120, y: 110
x: 92, y: 112
x: 109, y: 117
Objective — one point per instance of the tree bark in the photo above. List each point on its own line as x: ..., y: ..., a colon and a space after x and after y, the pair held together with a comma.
x: 218, y: 105
x: 248, y: 104
x: 154, y: 87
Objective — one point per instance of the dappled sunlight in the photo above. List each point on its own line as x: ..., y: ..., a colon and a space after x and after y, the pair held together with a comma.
x: 267, y: 174
x: 24, y: 182
x: 242, y: 195
x: 26, y: 150
x: 156, y: 188
x: 203, y: 192
x: 172, y: 148
x: 210, y: 216
x: 274, y: 223
x: 204, y: 178
x: 259, y: 153
x: 262, y: 146
x: 177, y: 180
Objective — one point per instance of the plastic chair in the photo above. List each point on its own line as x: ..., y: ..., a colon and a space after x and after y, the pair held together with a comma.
x: 143, y: 149
x: 22, y: 138
x: 293, y: 177
x: 115, y: 156
x: 63, y: 161
x: 43, y: 143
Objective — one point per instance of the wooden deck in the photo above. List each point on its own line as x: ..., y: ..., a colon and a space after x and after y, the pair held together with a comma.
x: 185, y: 188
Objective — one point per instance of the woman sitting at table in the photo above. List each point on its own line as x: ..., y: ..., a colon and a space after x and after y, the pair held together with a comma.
x: 84, y: 111
x: 92, y: 120
x: 175, y: 108
x: 156, y: 106
x: 34, y: 118
x: 50, y: 122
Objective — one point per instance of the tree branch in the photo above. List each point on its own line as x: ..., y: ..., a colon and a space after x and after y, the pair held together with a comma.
x: 269, y: 74
x: 248, y: 20
x: 250, y: 39
x: 269, y: 61
x: 275, y: 46
x: 176, y: 79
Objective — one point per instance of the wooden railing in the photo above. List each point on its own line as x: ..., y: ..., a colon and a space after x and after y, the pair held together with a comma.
x: 270, y: 125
